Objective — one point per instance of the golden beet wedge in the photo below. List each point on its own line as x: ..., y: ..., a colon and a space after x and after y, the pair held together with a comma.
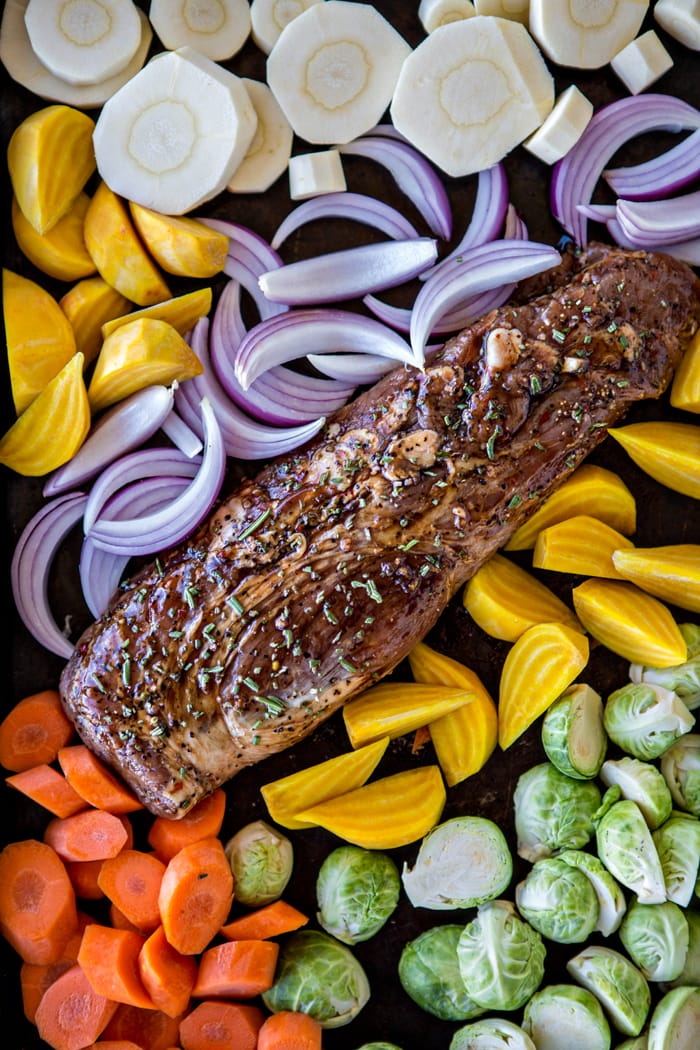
x: 581, y: 545
x: 182, y: 312
x: 685, y: 389
x: 88, y: 305
x: 669, y: 452
x: 61, y: 252
x: 395, y: 708
x: 671, y: 573
x: 181, y: 245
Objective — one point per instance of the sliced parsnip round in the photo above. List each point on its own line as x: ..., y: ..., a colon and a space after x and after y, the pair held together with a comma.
x: 585, y: 34
x: 216, y: 28
x: 334, y: 68
x: 269, y: 17
x: 173, y: 136
x: 23, y: 65
x: 434, y: 13
x: 471, y: 91
x: 83, y: 41
x: 269, y: 152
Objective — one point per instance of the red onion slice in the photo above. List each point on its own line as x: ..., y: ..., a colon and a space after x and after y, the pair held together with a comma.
x: 661, y: 176
x: 357, y: 207
x: 126, y: 425
x: 662, y: 221
x: 362, y: 369
x: 31, y: 564
x: 170, y: 525
x: 182, y: 436
x: 349, y: 274
x: 412, y: 173
x: 293, y: 335
x: 574, y: 176
x: 514, y: 227
x: 488, y: 215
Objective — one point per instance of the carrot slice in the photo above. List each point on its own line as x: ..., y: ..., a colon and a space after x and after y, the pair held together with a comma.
x: 216, y: 1024
x: 109, y: 958
x: 38, y: 913
x: 95, y: 782
x: 150, y: 1029
x: 195, y: 895
x: 167, y: 975
x: 83, y: 875
x: 131, y: 881
x: 236, y: 970
x: 290, y: 1030
x: 35, y: 978
x: 71, y: 1015
x: 34, y: 731
x: 167, y: 837
x: 89, y: 835
x: 48, y: 788
x: 271, y: 920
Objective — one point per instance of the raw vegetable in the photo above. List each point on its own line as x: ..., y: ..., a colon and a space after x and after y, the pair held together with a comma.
x: 685, y: 387
x: 680, y: 765
x: 173, y: 136
x: 645, y: 719
x: 558, y: 900
x: 290, y: 1030
x: 109, y: 958
x: 315, y: 174
x: 182, y: 312
x: 88, y: 305
x: 33, y: 731
x: 611, y: 900
x: 461, y: 863
x: 627, y: 850
x: 131, y: 881
x: 270, y: 920
x: 166, y: 974
x: 668, y: 452
x: 553, y: 811
x: 562, y: 127
x: 195, y: 895
x: 37, y: 905
x: 357, y: 891
x: 94, y: 781
x: 318, y: 975
x: 582, y: 545
x: 674, y: 1020
x: 585, y: 35
x: 334, y: 68
x: 573, y: 734
x: 216, y: 28
x: 470, y: 92
x: 48, y: 788
x: 268, y: 155
x: 670, y: 573
x: 236, y: 970
x: 167, y: 837
x: 655, y: 936
x: 429, y: 973
x: 691, y: 968
x: 60, y: 253
x: 261, y: 859
x: 491, y: 1033
x: 501, y: 957
x: 677, y: 843
x: 680, y: 20
x: 559, y: 1016
x: 180, y: 245
x: 71, y: 1014
x: 392, y: 709
x: 435, y: 13
x: 92, y: 834
x: 617, y: 983
x: 643, y: 783
x: 235, y: 1024
x: 269, y: 17
x: 641, y: 62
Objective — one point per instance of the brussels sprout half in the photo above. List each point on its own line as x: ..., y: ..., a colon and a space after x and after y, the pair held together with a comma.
x: 493, y: 1033
x: 680, y: 766
x: 501, y: 957
x: 573, y: 736
x: 558, y: 900
x: 683, y: 679
x: 619, y: 986
x: 643, y: 783
x: 690, y: 974
x: 561, y: 1016
x: 675, y: 1021
x: 611, y: 900
x: 261, y: 860
x: 677, y: 843
x: 626, y: 848
x: 553, y: 811
x: 357, y: 890
x: 429, y: 973
x: 656, y: 937
x: 644, y: 720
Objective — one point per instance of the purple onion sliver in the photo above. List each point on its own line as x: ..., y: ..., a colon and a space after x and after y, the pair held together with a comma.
x: 396, y: 317
x: 662, y: 221
x: 489, y: 212
x: 357, y: 207
x: 362, y: 369
x: 182, y: 436
x: 514, y: 227
x: 660, y: 177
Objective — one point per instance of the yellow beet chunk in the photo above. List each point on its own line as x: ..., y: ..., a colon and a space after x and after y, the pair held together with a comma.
x: 505, y: 599
x: 181, y: 245
x: 52, y: 429
x: 671, y: 573
x: 542, y: 663
x: 137, y: 355
x: 386, y: 813
x: 182, y: 312
x: 285, y: 797
x: 629, y: 622
x: 50, y: 158
x: 88, y: 305
x: 119, y: 255
x: 590, y: 490
x: 581, y: 545
x: 685, y: 389
x: 39, y: 337
x: 465, y: 739
x: 668, y: 452
x: 395, y: 708
x: 61, y: 252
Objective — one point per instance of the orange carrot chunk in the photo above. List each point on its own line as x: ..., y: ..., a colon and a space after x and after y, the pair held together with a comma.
x: 151, y: 1029
x: 131, y: 881
x: 236, y: 970
x: 109, y: 958
x: 195, y: 895
x: 38, y: 912
x: 204, y: 821
x: 271, y: 920
x: 167, y: 975
x: 83, y: 875
x: 71, y: 1015
x: 34, y: 731
x: 290, y: 1030
x: 218, y: 1025
x: 89, y: 835
x: 35, y: 978
x: 49, y: 789
x: 97, y: 784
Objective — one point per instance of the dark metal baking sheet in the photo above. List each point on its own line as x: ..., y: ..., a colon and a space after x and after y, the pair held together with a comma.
x: 663, y: 517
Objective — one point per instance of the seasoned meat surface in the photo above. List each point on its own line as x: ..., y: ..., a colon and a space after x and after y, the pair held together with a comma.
x: 315, y: 578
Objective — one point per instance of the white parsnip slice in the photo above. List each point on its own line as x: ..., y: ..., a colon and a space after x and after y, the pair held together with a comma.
x: 642, y: 62
x: 333, y: 70
x: 173, y: 136
x: 83, y: 41
x: 562, y: 128
x: 269, y: 152
x: 269, y: 17
x: 472, y: 91
x: 681, y: 20
x: 216, y: 28
x: 435, y: 13
x: 311, y: 174
x: 585, y: 34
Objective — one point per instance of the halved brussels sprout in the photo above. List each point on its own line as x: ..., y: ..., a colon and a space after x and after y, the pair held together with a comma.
x: 573, y: 736
x: 501, y: 957
x: 261, y: 860
x: 461, y: 863
x: 645, y: 719
x: 619, y: 985
x: 683, y: 679
x: 558, y: 900
x: 643, y: 783
x: 319, y: 976
x: 655, y: 936
x: 357, y: 890
x: 690, y: 974
x: 493, y: 1033
x: 675, y: 1021
x: 561, y: 1016
x: 429, y: 973
x: 680, y: 766
x: 553, y: 811
x: 627, y: 850
x: 677, y: 842
x: 611, y: 900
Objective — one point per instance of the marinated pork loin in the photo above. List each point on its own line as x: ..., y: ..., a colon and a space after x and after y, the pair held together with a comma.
x: 315, y: 578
